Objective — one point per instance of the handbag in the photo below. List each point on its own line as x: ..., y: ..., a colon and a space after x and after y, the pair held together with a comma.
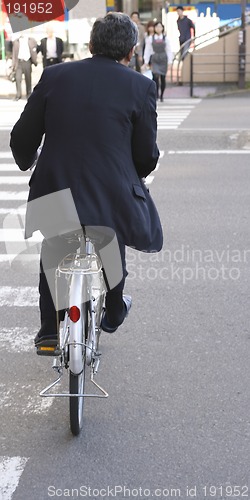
x: 148, y: 73
x: 11, y: 75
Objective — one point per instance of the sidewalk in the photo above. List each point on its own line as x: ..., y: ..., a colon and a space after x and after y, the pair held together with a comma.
x: 8, y: 89
x: 173, y: 91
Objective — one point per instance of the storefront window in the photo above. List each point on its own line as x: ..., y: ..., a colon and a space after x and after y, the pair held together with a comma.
x: 150, y: 9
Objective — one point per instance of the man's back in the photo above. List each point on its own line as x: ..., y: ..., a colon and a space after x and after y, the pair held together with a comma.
x: 99, y: 121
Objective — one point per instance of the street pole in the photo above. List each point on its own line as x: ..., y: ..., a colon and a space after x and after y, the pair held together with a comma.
x: 2, y: 40
x: 242, y: 47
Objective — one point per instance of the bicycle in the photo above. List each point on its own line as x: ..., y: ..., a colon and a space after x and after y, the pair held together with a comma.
x: 79, y: 333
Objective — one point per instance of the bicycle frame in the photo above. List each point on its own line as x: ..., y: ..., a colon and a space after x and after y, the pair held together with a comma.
x: 79, y: 340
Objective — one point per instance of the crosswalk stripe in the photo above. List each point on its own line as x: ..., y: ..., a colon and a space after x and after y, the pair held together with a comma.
x: 31, y: 404
x: 13, y: 196
x: 168, y: 127
x: 211, y: 152
x: 17, y: 339
x: 180, y: 102
x: 17, y: 234
x: 21, y: 296
x: 13, y: 211
x: 9, y: 167
x: 11, y: 469
x: 170, y: 107
x: 4, y: 257
x: 150, y: 179
x: 6, y: 154
x: 173, y: 112
x: 8, y: 179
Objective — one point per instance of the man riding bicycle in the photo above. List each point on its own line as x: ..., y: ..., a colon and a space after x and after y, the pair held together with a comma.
x: 98, y: 121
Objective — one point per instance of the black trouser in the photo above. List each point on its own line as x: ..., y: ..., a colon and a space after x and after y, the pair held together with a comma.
x: 52, y: 252
x: 51, y: 61
x: 156, y: 79
x: 23, y: 67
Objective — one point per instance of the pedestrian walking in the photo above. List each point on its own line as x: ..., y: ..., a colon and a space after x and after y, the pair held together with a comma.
x: 158, y: 55
x: 186, y: 29
x: 137, y: 59
x: 24, y: 54
x: 150, y: 29
x: 101, y: 161
x: 51, y: 48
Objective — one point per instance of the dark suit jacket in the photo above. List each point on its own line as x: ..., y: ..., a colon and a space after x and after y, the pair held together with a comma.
x: 43, y: 49
x: 99, y: 121
x: 33, y: 51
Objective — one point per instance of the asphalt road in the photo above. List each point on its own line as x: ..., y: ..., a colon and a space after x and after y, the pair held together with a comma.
x: 176, y: 423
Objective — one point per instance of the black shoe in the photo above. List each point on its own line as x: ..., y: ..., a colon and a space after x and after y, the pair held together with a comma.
x: 16, y: 98
x: 47, y: 335
x: 106, y: 327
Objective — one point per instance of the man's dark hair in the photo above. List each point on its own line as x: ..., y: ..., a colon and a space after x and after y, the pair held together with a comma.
x: 179, y: 7
x: 135, y: 12
x: 113, y: 36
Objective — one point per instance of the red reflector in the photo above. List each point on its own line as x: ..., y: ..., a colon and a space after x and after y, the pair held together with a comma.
x: 74, y: 313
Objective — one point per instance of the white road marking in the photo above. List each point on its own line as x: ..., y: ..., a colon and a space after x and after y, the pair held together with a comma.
x: 173, y: 113
x: 19, y: 258
x: 180, y: 102
x: 149, y: 179
x: 18, y: 235
x: 21, y: 296
x: 213, y: 129
x: 168, y: 127
x: 17, y: 339
x: 211, y: 152
x: 6, y: 154
x: 13, y: 211
x: 13, y: 196
x: 9, y: 167
x: 11, y: 469
x: 32, y: 403
x: 11, y: 179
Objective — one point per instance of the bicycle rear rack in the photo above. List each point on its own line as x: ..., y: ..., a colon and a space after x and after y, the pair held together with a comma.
x: 89, y: 265
x: 44, y: 392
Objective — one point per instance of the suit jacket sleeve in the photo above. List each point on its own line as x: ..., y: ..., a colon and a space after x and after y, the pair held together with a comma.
x: 60, y: 47
x: 27, y: 133
x: 15, y: 48
x: 144, y: 148
x: 42, y: 47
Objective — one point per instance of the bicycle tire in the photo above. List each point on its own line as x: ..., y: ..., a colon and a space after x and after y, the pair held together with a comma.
x: 76, y: 405
x: 76, y: 386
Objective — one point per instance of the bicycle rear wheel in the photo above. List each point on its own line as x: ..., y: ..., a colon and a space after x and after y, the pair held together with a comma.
x: 76, y: 404
x: 76, y: 386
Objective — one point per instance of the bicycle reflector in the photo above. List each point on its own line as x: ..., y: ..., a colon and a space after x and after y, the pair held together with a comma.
x: 74, y: 314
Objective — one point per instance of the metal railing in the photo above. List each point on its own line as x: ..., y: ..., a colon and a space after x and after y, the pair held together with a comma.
x: 198, y: 41
x: 224, y: 69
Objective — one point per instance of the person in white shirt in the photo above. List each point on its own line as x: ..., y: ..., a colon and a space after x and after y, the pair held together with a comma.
x: 158, y: 55
x: 51, y: 48
x: 24, y: 54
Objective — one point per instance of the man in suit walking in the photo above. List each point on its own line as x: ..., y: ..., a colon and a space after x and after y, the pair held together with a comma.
x: 99, y: 121
x: 51, y: 48
x: 138, y: 53
x: 24, y: 54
